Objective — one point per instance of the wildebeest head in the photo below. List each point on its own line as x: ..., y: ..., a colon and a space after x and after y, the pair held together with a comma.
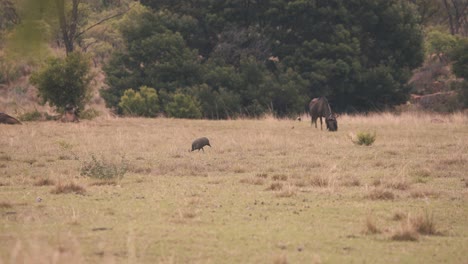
x: 332, y: 124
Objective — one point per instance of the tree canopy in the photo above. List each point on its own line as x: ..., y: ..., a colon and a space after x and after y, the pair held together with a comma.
x: 64, y: 82
x: 250, y: 57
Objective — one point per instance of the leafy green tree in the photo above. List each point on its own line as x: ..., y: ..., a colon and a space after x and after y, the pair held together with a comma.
x: 346, y: 42
x: 440, y: 44
x: 64, y: 82
x: 217, y: 104
x: 271, y: 55
x: 460, y: 69
x: 288, y: 90
x: 142, y: 103
x: 156, y: 56
x: 460, y: 59
x: 183, y: 106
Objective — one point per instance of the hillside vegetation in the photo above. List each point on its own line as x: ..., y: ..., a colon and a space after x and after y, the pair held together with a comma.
x: 222, y: 59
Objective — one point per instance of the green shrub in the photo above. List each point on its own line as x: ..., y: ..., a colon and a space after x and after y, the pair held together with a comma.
x: 89, y: 114
x: 37, y: 116
x: 31, y: 116
x: 9, y: 71
x: 183, y: 106
x: 364, y: 138
x: 103, y: 169
x: 440, y: 43
x: 64, y: 81
x: 142, y: 103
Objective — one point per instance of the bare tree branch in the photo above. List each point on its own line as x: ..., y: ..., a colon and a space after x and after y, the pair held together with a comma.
x: 104, y: 20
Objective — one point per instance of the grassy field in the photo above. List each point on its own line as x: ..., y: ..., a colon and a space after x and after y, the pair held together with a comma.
x: 268, y: 191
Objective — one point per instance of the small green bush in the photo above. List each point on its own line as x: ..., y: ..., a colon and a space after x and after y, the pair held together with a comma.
x: 104, y: 170
x: 365, y: 138
x: 9, y: 71
x: 31, y: 116
x: 140, y: 103
x: 89, y: 114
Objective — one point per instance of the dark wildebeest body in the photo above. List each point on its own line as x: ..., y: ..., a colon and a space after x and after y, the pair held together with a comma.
x: 319, y: 107
x: 199, y: 143
x: 6, y: 119
x: 71, y: 114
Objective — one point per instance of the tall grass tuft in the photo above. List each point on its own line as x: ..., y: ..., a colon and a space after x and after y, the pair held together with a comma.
x: 405, y: 233
x: 424, y: 224
x: 381, y: 194
x: 364, y: 138
x: 371, y: 227
x: 414, y: 226
x: 68, y: 188
x: 44, y: 182
x: 104, y: 170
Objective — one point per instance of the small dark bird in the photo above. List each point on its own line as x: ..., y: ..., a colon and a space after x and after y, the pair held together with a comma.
x: 199, y: 143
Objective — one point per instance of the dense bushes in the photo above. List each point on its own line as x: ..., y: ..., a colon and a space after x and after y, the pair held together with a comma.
x: 146, y: 102
x: 248, y: 60
x: 183, y: 106
x: 142, y: 103
x: 460, y: 69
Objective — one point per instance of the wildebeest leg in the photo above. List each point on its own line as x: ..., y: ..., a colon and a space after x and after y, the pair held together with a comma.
x: 321, y: 123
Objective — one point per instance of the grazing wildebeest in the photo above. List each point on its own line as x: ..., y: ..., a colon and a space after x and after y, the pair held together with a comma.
x: 199, y: 143
x: 6, y: 119
x: 319, y: 107
x: 71, y: 114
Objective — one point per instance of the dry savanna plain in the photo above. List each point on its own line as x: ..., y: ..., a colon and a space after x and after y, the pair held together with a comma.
x: 115, y: 190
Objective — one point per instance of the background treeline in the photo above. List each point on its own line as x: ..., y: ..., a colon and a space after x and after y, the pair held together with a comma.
x: 219, y: 59
x: 249, y: 57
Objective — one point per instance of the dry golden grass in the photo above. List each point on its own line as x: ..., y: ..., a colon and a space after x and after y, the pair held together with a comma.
x: 262, y: 175
x: 280, y: 259
x: 398, y: 216
x: 398, y: 184
x: 351, y: 181
x: 68, y: 188
x: 413, y: 226
x: 279, y: 177
x: 424, y: 193
x: 102, y: 182
x: 424, y: 224
x: 406, y: 232
x: 371, y: 226
x: 5, y: 157
x: 287, y: 192
x: 254, y: 181
x: 261, y: 184
x: 380, y: 194
x: 276, y: 186
x: 44, y: 182
x: 5, y: 205
x: 320, y: 181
